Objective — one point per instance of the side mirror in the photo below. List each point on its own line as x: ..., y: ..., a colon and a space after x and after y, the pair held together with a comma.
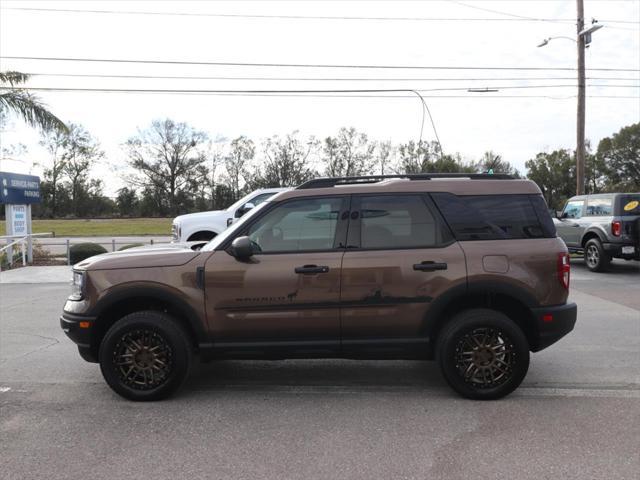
x: 242, y: 248
x: 244, y: 209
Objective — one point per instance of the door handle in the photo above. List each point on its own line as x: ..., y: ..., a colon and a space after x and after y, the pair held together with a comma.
x: 311, y: 269
x: 429, y: 266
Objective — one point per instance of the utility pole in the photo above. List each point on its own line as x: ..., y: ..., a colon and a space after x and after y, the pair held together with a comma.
x: 580, y: 144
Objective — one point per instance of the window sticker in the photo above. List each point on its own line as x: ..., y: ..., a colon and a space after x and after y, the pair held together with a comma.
x: 631, y: 205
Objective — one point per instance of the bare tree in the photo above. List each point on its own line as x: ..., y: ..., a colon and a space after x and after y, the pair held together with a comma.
x: 242, y: 151
x: 384, y: 157
x: 286, y: 162
x: 166, y: 156
x: 348, y: 154
x: 54, y: 141
x: 80, y: 152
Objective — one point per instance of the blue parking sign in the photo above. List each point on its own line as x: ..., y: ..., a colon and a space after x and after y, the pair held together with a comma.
x: 18, y: 189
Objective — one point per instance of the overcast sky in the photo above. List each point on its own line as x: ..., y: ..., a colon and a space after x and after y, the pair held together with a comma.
x: 265, y: 32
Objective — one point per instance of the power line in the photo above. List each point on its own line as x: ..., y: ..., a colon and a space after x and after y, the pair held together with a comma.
x: 378, y: 93
x: 316, y: 79
x: 350, y: 90
x: 308, y: 65
x: 513, y: 17
x: 272, y: 16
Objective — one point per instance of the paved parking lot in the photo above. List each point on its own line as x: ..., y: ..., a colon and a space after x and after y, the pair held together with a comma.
x: 577, y: 414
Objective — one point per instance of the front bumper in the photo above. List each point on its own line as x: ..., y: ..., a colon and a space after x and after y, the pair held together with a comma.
x: 77, y: 327
x: 553, y: 323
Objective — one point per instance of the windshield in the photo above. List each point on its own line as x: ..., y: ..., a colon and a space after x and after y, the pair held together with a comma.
x: 629, y: 205
x: 253, y: 198
x: 222, y: 237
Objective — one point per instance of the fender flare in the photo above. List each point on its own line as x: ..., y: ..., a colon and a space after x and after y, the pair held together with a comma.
x: 598, y: 231
x: 126, y: 291
x: 433, y: 319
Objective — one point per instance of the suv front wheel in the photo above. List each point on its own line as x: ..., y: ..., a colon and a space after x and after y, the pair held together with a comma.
x: 483, y: 355
x: 145, y: 356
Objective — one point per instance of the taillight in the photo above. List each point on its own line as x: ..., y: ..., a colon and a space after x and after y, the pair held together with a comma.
x: 616, y: 228
x: 564, y: 269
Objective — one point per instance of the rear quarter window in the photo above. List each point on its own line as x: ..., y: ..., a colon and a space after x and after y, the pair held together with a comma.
x: 628, y: 205
x: 496, y: 217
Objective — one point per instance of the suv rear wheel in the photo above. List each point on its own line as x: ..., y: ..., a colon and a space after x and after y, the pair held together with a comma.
x: 145, y: 356
x: 483, y: 355
x: 596, y: 259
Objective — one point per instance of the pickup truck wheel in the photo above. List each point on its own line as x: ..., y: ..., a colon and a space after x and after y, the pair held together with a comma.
x: 145, y: 356
x: 483, y: 355
x: 596, y: 259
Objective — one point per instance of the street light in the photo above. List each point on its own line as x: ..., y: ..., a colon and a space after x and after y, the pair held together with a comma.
x: 583, y: 41
x: 547, y: 40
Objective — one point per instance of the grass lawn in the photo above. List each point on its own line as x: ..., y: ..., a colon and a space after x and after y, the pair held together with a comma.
x: 101, y: 228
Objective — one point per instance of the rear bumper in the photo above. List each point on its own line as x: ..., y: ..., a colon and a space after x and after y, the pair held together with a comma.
x: 553, y: 323
x: 615, y: 250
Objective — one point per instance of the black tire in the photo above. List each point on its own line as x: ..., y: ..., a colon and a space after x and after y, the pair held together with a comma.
x: 145, y: 356
x: 595, y: 257
x: 489, y: 367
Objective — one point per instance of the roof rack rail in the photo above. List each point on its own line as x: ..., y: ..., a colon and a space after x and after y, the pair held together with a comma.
x: 326, y: 182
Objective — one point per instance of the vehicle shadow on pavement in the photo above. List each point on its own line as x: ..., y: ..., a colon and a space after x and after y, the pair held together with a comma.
x: 329, y: 374
x: 616, y: 266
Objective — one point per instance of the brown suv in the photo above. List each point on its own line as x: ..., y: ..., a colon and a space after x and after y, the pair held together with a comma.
x: 464, y: 269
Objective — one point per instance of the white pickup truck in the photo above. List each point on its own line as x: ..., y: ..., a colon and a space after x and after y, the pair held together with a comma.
x: 206, y: 225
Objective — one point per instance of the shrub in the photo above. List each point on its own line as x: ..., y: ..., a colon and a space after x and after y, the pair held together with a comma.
x: 131, y: 245
x: 82, y: 251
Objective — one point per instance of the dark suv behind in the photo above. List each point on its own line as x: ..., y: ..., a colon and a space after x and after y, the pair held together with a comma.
x: 465, y: 269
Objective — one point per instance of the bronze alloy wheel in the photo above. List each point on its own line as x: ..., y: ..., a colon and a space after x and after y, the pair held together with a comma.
x: 485, y: 357
x: 142, y: 359
x: 145, y: 355
x: 483, y: 354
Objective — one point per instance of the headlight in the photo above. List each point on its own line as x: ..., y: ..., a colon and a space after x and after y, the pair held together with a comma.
x: 77, y: 285
x: 175, y: 231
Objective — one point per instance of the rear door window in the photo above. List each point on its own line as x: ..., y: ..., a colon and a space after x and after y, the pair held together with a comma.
x: 398, y: 221
x: 495, y: 217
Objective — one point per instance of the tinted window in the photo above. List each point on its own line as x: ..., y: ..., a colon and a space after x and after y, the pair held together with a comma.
x: 298, y: 225
x: 573, y: 209
x: 629, y: 205
x: 494, y: 217
x: 402, y: 221
x: 599, y: 207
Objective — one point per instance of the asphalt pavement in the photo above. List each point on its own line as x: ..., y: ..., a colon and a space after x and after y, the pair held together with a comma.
x: 577, y: 414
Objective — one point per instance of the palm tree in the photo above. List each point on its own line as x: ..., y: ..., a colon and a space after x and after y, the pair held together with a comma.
x: 25, y: 105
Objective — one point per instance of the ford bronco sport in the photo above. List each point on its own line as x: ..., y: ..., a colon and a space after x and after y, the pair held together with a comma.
x: 602, y: 226
x: 463, y: 269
